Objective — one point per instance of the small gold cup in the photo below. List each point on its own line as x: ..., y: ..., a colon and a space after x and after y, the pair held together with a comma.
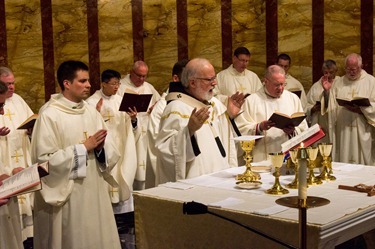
x: 325, y: 150
x: 312, y: 153
x: 293, y: 156
x: 277, y: 161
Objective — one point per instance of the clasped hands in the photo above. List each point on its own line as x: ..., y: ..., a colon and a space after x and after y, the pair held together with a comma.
x: 96, y: 141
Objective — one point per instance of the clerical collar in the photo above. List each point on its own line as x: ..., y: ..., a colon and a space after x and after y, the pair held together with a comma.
x: 73, y: 105
x: 268, y: 94
x: 103, y: 94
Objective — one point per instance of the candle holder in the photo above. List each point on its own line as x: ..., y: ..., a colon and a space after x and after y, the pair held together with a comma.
x: 277, y: 161
x: 312, y: 154
x: 247, y: 144
x: 325, y: 150
x: 293, y: 156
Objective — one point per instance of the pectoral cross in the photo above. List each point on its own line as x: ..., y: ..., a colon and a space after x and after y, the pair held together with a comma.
x: 9, y: 114
x: 21, y: 198
x: 16, y: 156
x: 112, y: 191
x: 86, y: 137
x: 108, y: 116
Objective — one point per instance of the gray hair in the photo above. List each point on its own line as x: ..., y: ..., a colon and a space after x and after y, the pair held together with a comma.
x: 192, y: 69
x: 5, y: 71
x: 327, y: 64
x: 274, y: 69
x: 354, y: 56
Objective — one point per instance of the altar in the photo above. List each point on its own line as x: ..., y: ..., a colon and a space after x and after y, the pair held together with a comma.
x: 160, y: 222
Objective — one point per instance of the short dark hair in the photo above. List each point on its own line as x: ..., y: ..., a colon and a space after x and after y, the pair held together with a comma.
x: 3, y: 87
x: 284, y: 57
x: 241, y: 50
x: 179, y: 67
x: 108, y: 74
x: 68, y: 71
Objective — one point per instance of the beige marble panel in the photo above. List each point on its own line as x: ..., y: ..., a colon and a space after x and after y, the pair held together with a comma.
x: 342, y: 30
x: 25, y: 54
x: 249, y: 30
x: 295, y: 37
x: 204, y: 30
x: 115, y: 35
x: 160, y: 40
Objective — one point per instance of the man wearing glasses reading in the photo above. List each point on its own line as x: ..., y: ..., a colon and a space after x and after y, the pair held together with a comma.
x: 259, y: 107
x: 135, y: 82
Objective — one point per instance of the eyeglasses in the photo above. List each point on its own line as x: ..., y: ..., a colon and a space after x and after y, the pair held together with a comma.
x: 242, y: 60
x: 209, y: 80
x: 139, y: 75
x: 114, y: 83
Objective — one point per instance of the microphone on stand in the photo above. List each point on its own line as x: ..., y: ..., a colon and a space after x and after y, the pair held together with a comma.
x: 193, y: 208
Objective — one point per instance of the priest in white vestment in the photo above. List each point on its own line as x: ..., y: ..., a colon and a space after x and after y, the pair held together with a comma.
x: 73, y: 209
x: 195, y: 133
x: 134, y: 82
x: 107, y: 102
x: 353, y: 127
x: 259, y: 107
x: 318, y: 97
x: 10, y: 226
x: 15, y: 147
x: 237, y: 78
x: 292, y: 84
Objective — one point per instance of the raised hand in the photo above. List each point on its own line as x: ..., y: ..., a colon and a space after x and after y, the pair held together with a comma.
x: 197, y: 119
x: 96, y: 141
x: 4, y: 131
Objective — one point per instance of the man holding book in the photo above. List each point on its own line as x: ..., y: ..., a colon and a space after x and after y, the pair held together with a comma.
x: 73, y: 208
x: 353, y: 127
x: 260, y: 106
x: 15, y: 146
x: 10, y: 226
x: 135, y: 82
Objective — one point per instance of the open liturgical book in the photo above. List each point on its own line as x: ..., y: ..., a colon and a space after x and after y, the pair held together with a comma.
x: 25, y: 181
x: 282, y: 120
x: 307, y: 137
x: 132, y: 99
x: 29, y: 122
x: 356, y: 101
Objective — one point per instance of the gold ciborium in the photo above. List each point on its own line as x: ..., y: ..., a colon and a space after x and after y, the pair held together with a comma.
x: 247, y: 144
x: 277, y: 161
x: 325, y: 150
x: 312, y: 153
x: 293, y: 156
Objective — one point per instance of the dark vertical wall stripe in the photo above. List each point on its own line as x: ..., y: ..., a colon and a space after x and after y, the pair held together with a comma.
x: 3, y: 36
x: 367, y: 34
x: 271, y: 31
x: 317, y: 38
x: 226, y: 32
x: 182, y: 30
x: 137, y: 18
x: 48, y: 49
x: 93, y: 42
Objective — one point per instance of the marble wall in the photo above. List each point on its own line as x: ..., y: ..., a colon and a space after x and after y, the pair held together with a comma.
x: 25, y: 53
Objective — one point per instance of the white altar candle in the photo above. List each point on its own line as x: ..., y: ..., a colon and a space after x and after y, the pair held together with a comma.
x: 302, y: 176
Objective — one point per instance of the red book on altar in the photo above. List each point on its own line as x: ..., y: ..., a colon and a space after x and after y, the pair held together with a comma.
x: 307, y: 137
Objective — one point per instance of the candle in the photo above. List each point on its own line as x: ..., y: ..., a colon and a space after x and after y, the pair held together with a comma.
x: 302, y: 177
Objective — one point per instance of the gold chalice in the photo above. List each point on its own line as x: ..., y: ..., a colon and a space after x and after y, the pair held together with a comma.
x: 248, y: 175
x: 277, y: 161
x: 293, y: 156
x: 325, y: 150
x: 312, y: 154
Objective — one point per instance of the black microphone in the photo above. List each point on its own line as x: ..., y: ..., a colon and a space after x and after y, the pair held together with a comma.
x: 199, y: 208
